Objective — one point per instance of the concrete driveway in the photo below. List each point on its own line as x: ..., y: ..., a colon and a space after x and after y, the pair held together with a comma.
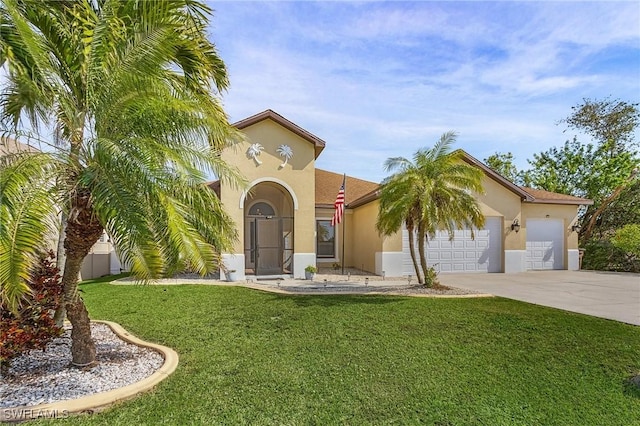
x: 608, y: 295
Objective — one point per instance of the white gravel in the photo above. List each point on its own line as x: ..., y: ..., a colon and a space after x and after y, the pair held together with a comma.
x: 46, y: 376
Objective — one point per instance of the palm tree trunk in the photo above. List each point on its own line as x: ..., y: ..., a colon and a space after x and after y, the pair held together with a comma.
x: 61, y: 259
x: 423, y: 259
x: 82, y: 232
x: 83, y: 349
x: 412, y: 250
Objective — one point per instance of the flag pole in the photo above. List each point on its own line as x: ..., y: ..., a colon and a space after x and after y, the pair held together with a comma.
x: 344, y: 221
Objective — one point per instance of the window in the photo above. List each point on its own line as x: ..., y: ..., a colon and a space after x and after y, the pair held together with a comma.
x: 261, y: 209
x: 325, y: 239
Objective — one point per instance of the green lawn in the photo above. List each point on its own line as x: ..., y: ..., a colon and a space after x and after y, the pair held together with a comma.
x: 259, y: 358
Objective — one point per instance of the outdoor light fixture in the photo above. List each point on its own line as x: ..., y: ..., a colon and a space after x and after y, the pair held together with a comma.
x: 515, y: 226
x: 366, y: 281
x: 576, y: 228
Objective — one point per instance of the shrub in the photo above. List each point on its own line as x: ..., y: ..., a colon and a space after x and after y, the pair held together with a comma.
x: 32, y: 326
x: 627, y: 239
x: 431, y: 277
x: 602, y: 255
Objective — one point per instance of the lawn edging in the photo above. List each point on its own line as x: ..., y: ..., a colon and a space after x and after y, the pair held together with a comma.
x: 99, y: 401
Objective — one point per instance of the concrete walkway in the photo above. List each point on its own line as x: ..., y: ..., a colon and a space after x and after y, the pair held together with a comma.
x: 608, y: 295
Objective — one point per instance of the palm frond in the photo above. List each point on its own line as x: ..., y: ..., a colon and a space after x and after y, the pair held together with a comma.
x: 27, y: 217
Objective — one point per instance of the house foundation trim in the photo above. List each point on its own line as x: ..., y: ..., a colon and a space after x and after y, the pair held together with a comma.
x: 233, y: 262
x: 573, y: 259
x: 514, y: 261
x: 301, y: 261
x: 389, y: 263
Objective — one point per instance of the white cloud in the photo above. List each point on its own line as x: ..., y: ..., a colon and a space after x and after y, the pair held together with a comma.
x: 381, y: 79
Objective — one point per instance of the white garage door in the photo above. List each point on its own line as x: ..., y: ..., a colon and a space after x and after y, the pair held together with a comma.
x: 545, y: 248
x: 462, y: 254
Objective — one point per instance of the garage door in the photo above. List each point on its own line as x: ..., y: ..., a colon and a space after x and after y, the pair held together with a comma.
x: 462, y: 254
x: 545, y: 244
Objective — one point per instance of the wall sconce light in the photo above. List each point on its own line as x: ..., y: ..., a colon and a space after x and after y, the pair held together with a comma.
x: 576, y: 228
x: 515, y: 226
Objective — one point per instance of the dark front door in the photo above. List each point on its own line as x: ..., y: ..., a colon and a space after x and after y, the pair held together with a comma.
x: 270, y: 248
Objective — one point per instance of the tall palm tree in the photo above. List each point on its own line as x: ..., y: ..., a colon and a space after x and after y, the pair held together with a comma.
x: 132, y: 91
x: 429, y: 194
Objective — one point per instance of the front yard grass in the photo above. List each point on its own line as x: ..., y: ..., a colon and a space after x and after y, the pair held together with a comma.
x: 248, y: 357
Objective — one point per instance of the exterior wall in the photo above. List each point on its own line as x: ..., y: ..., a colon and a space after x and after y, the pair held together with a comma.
x: 499, y: 201
x: 389, y: 261
x: 367, y: 242
x: 297, y: 177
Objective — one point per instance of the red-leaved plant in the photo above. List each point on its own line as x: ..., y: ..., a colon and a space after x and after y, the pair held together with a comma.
x: 32, y: 327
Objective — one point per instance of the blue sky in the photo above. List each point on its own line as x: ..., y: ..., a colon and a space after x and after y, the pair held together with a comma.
x: 383, y: 79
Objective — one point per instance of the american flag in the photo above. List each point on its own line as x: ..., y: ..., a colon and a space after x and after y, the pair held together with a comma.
x: 339, y: 205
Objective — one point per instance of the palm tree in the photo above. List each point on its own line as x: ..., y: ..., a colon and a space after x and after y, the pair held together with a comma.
x: 429, y: 194
x: 131, y: 89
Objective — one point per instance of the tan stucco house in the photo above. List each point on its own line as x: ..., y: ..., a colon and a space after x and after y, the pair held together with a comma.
x: 284, y: 218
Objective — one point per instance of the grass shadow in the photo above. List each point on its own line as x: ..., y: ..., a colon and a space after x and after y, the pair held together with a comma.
x: 309, y: 300
x: 105, y: 278
x: 631, y: 386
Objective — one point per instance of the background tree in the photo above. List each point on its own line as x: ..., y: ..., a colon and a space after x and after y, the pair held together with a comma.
x: 611, y: 123
x: 601, y: 170
x: 429, y: 194
x: 502, y: 163
x: 131, y: 89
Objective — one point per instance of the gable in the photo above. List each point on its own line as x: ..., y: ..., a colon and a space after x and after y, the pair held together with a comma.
x: 317, y: 143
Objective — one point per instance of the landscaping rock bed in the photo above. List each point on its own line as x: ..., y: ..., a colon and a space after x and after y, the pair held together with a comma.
x: 46, y: 376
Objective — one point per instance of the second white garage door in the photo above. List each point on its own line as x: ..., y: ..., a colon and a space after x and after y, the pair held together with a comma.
x: 545, y: 244
x: 462, y: 254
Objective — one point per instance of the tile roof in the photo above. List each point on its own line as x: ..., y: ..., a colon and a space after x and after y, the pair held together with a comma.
x: 542, y: 196
x: 328, y: 184
x: 360, y: 192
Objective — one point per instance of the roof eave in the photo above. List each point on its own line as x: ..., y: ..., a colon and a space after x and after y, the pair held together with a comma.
x: 582, y: 202
x: 365, y: 199
x: 318, y: 143
x: 524, y: 195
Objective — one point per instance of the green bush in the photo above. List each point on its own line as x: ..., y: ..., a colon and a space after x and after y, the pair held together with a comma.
x: 627, y: 239
x: 32, y: 326
x: 603, y: 255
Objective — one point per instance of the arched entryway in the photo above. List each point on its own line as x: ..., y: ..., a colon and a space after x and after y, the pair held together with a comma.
x: 268, y: 230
